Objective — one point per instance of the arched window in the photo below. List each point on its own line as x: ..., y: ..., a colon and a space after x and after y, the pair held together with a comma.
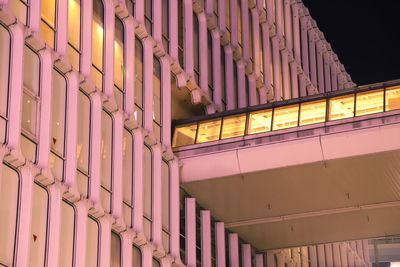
x: 148, y: 16
x: 38, y: 225
x: 157, y: 103
x: 196, y: 47
x: 139, y: 105
x: 20, y: 9
x: 83, y: 142
x: 119, y: 62
x: 48, y: 21
x: 57, y: 125
x: 115, y: 250
x: 97, y: 43
x: 165, y: 24
x: 5, y: 42
x: 74, y: 32
x: 165, y: 195
x: 92, y: 242
x: 30, y: 104
x: 147, y: 191
x: 9, y: 194
x: 107, y: 126
x: 67, y: 230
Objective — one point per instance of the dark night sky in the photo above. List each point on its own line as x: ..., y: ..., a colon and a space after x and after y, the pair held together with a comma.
x: 365, y: 34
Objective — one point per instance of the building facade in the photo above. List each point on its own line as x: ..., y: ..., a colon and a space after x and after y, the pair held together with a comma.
x: 88, y: 90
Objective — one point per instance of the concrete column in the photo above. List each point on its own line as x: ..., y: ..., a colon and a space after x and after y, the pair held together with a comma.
x: 266, y: 47
x: 246, y: 255
x: 241, y: 82
x: 220, y: 244
x: 313, y: 58
x: 294, y: 79
x: 320, y: 64
x: 95, y: 147
x: 34, y: 16
x: 336, y: 255
x: 173, y: 29
x: 105, y: 241
x: 328, y: 255
x: 296, y: 32
x: 245, y: 30
x: 304, y: 257
x: 188, y: 36
x: 304, y: 44
x: 157, y: 21
x: 54, y: 223
x: 126, y: 249
x: 147, y: 255
x: 255, y: 24
x: 46, y: 67
x: 221, y: 15
x: 175, y: 210
x: 270, y: 259
x: 148, y: 59
x: 229, y: 82
x: 203, y: 52
x: 117, y: 166
x: 190, y: 221
x: 313, y: 256
x: 15, y: 86
x: 234, y: 26
x: 277, y: 68
x: 259, y: 260
x: 367, y: 259
x: 62, y: 27
x: 321, y: 255
x: 81, y: 217
x: 327, y: 71
x: 205, y: 238
x: 253, y: 99
x: 216, y: 61
x: 288, y: 24
x: 233, y: 250
x: 286, y: 75
x: 343, y: 254
x: 279, y: 17
x: 280, y: 259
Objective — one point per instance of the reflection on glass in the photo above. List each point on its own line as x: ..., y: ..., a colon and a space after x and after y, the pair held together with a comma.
x: 74, y: 32
x: 341, y: 107
x: 47, y: 23
x: 312, y: 112
x: 369, y: 102
x: 184, y: 135
x: 233, y: 126
x: 209, y: 131
x: 392, y: 98
x: 97, y: 43
x: 119, y: 54
x: 285, y: 117
x: 260, y: 121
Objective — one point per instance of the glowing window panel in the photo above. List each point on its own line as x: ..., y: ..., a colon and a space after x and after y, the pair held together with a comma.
x: 260, y: 121
x: 233, y: 126
x: 184, y: 135
x: 369, y: 102
x: 285, y: 117
x: 341, y: 107
x: 209, y: 131
x: 312, y: 112
x: 392, y: 98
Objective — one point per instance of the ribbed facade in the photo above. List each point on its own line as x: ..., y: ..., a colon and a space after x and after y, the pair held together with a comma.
x: 87, y: 96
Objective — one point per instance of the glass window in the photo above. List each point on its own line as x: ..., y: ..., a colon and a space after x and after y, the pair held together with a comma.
x: 119, y: 62
x: 148, y: 15
x: 157, y: 104
x: 127, y: 172
x: 369, y: 102
x: 285, y: 117
x: 165, y: 24
x: 184, y: 135
x: 147, y: 190
x: 208, y: 131
x: 165, y: 190
x: 92, y: 242
x: 105, y: 153
x: 115, y: 250
x: 196, y: 47
x: 97, y: 43
x: 48, y: 21
x: 38, y: 226
x: 312, y: 112
x: 233, y: 126
x: 74, y: 32
x: 66, y: 234
x: 180, y: 32
x: 341, y: 107
x: 210, y: 66
x: 9, y: 184
x: 83, y: 142
x: 20, y: 9
x: 30, y: 103
x: 139, y: 81
x: 260, y: 121
x: 392, y: 98
x: 57, y: 126
x: 137, y: 256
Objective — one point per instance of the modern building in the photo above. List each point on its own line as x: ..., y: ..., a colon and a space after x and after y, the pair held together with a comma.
x: 93, y: 172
